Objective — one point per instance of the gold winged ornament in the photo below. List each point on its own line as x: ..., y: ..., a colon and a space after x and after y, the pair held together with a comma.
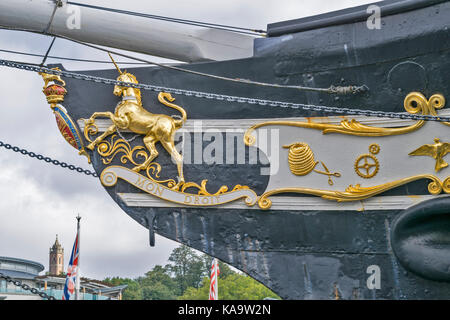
x: 131, y: 115
x: 436, y: 151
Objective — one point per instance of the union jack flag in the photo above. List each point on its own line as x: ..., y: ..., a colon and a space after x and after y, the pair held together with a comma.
x: 72, y: 272
x: 213, y: 287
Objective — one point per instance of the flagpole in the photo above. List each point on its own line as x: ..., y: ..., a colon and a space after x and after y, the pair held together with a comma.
x: 216, y: 265
x: 77, y: 282
x: 213, y: 283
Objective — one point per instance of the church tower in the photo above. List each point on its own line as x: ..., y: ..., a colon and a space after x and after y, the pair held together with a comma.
x: 56, y: 263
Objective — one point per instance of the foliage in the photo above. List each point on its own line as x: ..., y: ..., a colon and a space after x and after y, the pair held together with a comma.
x: 234, y: 287
x: 187, y: 277
x: 158, y: 285
x: 133, y: 290
x: 186, y: 267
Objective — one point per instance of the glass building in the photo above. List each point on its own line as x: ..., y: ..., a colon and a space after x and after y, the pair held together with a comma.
x: 18, y: 269
x: 28, y: 273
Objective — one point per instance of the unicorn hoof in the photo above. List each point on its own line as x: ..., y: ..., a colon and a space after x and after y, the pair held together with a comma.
x: 90, y: 146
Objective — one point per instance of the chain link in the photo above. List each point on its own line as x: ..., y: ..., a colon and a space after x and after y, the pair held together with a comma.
x: 26, y: 287
x: 221, y: 97
x: 48, y: 159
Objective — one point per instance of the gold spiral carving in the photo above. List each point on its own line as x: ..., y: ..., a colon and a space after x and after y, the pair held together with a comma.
x: 300, y: 158
x: 153, y: 170
x: 202, y: 188
x: 90, y: 129
x: 109, y: 150
x: 446, y: 185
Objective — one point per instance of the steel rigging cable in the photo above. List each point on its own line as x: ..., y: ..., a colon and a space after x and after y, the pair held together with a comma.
x: 353, y: 89
x: 71, y: 59
x: 229, y: 98
x: 175, y: 20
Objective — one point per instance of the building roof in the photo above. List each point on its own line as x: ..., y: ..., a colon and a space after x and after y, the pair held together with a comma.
x: 83, y: 281
x: 94, y: 286
x: 115, y: 289
x: 37, y: 265
x: 17, y: 274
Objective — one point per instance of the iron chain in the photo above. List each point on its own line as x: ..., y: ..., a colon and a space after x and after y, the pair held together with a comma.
x: 26, y: 287
x: 221, y: 97
x: 48, y: 159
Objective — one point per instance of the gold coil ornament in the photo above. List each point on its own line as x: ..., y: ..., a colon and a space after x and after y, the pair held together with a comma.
x: 300, y: 158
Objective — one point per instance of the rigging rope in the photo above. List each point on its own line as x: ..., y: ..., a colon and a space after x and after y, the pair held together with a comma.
x: 222, y: 97
x: 331, y: 90
x: 48, y: 51
x: 175, y: 20
x: 70, y: 59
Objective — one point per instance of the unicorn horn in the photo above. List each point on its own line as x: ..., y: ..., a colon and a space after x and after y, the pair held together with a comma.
x: 117, y: 67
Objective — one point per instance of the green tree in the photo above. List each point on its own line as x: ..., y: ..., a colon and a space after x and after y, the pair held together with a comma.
x: 158, y: 285
x: 186, y: 267
x: 233, y: 287
x: 187, y: 277
x: 131, y: 292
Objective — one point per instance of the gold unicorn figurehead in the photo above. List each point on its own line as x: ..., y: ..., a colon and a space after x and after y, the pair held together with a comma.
x: 125, y: 77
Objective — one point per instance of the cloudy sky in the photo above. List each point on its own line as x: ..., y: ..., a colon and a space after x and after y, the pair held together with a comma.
x: 38, y: 200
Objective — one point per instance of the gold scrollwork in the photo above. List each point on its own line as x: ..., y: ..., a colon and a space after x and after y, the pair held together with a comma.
x: 355, y: 193
x: 109, y: 150
x: 414, y: 103
x: 90, y: 129
x: 153, y: 171
x: 202, y: 188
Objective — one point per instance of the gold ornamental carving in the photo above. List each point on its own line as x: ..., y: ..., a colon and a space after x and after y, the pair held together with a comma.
x: 145, y: 173
x: 414, y: 103
x: 301, y: 161
x: 131, y: 115
x: 367, y: 165
x: 437, y: 151
x: 55, y: 93
x: 300, y: 158
x: 356, y: 193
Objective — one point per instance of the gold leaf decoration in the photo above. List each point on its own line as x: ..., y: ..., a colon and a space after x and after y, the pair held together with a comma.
x: 109, y: 150
x: 414, y: 103
x: 202, y: 188
x: 355, y: 193
x: 153, y: 171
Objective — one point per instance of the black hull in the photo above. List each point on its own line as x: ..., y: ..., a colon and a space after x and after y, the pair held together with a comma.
x: 308, y: 254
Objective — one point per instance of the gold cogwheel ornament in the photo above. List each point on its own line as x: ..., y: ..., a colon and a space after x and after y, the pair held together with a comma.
x: 367, y: 165
x: 374, y: 148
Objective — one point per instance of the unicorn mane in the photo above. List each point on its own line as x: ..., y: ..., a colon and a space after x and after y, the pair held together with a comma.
x: 133, y: 79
